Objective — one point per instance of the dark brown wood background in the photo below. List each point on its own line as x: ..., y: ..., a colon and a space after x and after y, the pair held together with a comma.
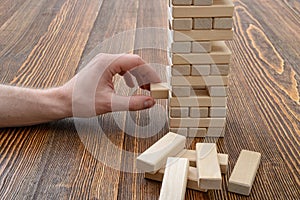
x: 43, y: 42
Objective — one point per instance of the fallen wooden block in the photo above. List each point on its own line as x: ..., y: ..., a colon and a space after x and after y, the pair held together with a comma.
x: 156, y: 156
x: 159, y: 90
x: 175, y: 179
x: 244, y: 172
x: 192, y: 182
x: 209, y: 172
x: 191, y: 155
x: 220, y: 8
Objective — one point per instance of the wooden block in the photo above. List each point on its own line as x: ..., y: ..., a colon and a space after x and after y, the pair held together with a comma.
x: 159, y: 90
x: 197, y: 122
x: 182, y: 2
x: 181, y: 47
x: 175, y: 179
x: 201, y: 47
x: 181, y: 91
x: 201, y: 101
x: 244, y: 172
x: 192, y: 182
x: 218, y: 91
x: 209, y: 172
x: 219, y: 69
x: 220, y: 8
x: 218, y: 111
x: 203, y: 23
x: 192, y: 156
x: 199, y: 112
x: 179, y: 112
x: 220, y: 54
x: 180, y: 131
x: 199, y: 91
x: 182, y: 24
x: 215, y: 132
x: 199, y: 80
x: 223, y: 23
x: 202, y: 2
x: 202, y: 35
x: 181, y: 70
x: 197, y: 133
x: 200, y: 70
x: 155, y: 157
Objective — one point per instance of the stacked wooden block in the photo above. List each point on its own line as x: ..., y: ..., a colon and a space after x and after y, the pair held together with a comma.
x: 200, y: 65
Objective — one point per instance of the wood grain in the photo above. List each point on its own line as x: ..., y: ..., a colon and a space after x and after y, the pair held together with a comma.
x: 43, y: 44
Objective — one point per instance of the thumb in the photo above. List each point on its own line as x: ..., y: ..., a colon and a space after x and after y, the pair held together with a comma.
x: 131, y: 103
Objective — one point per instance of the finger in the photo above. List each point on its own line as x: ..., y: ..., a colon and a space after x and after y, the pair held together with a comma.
x: 145, y: 75
x: 131, y: 103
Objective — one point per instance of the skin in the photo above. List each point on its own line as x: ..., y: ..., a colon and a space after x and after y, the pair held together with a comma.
x: 90, y: 93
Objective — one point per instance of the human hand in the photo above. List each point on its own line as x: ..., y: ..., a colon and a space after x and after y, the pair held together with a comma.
x: 92, y: 90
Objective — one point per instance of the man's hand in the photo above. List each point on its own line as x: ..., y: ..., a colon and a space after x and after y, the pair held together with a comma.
x: 90, y: 93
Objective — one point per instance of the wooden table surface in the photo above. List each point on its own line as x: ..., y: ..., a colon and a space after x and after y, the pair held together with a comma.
x: 43, y: 42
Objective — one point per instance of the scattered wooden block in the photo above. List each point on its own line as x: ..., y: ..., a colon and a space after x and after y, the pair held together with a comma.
x: 192, y: 156
x: 209, y: 172
x: 200, y: 70
x: 197, y: 122
x: 217, y: 91
x: 192, y: 182
x: 181, y: 70
x: 244, y: 172
x: 159, y: 90
x: 202, y: 2
x: 201, y: 101
x: 199, y: 112
x: 182, y: 2
x: 220, y: 54
x: 203, y: 23
x: 201, y: 47
x: 182, y: 24
x: 202, y: 35
x: 155, y: 157
x: 181, y: 47
x: 219, y: 69
x: 179, y: 112
x: 175, y: 179
x: 223, y: 23
x: 199, y: 80
x: 218, y: 111
x: 181, y: 91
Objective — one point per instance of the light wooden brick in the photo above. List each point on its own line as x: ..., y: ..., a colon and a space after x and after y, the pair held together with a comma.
x: 199, y: 80
x: 203, y: 2
x: 197, y: 122
x: 217, y: 112
x: 218, y: 91
x: 159, y: 90
x: 182, y: 24
x: 197, y: 132
x: 181, y: 70
x: 181, y: 112
x: 223, y: 23
x: 219, y: 69
x: 216, y: 131
x: 182, y: 2
x: 181, y: 91
x: 203, y: 70
x: 202, y: 35
x: 209, y: 172
x: 203, y: 23
x: 198, y: 112
x: 198, y: 101
x: 181, y: 47
x: 201, y: 47
x: 244, y: 172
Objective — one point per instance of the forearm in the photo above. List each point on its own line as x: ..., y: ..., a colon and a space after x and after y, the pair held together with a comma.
x: 22, y: 106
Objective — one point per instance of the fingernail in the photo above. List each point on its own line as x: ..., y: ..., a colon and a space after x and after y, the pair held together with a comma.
x: 148, y: 104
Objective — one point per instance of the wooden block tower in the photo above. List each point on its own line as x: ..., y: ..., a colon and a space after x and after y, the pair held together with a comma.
x: 199, y: 65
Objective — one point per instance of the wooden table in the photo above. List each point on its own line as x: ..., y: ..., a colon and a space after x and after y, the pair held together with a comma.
x: 43, y: 42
